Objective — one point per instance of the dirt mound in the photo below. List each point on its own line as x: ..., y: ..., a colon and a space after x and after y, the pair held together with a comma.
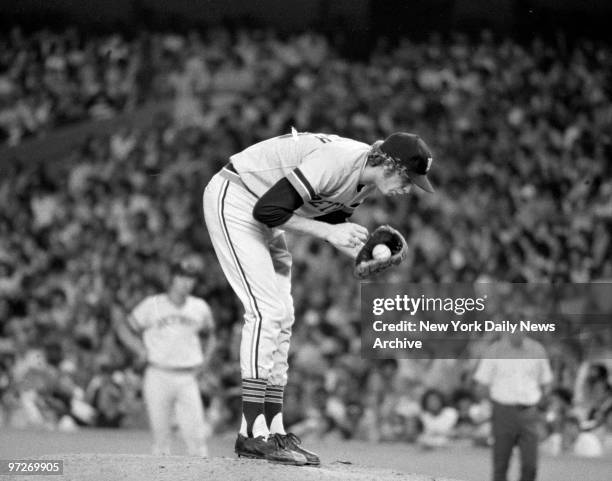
x: 128, y: 467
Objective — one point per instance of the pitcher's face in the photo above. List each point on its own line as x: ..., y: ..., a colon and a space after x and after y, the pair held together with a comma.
x: 394, y: 183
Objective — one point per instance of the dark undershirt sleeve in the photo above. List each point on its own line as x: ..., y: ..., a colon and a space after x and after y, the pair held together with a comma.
x: 276, y: 206
x: 336, y: 217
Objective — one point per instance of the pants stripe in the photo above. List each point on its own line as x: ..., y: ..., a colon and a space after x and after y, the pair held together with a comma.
x: 252, y: 299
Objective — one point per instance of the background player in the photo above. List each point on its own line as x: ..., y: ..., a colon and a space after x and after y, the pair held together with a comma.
x: 321, y: 179
x: 169, y: 325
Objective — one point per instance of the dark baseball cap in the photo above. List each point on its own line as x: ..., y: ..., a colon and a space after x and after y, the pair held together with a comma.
x: 188, y: 266
x: 412, y: 153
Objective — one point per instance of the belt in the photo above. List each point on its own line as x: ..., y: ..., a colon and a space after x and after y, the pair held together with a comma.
x: 230, y: 173
x: 520, y: 407
x: 186, y: 369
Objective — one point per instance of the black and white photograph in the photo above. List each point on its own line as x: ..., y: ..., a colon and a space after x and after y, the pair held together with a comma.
x: 306, y: 240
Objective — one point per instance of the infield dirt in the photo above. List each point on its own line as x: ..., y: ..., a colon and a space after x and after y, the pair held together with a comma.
x: 123, y: 454
x: 133, y: 467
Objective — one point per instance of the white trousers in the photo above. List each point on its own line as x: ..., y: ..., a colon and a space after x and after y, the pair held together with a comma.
x: 257, y: 265
x: 169, y: 393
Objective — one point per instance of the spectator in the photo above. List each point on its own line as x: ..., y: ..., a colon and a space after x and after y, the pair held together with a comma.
x: 438, y: 419
x: 465, y: 427
x: 594, y: 394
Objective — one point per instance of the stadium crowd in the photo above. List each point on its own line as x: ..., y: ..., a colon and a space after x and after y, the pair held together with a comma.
x: 522, y: 135
x: 49, y: 79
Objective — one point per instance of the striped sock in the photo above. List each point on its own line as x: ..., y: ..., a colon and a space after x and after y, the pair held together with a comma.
x: 274, y: 408
x: 253, y: 396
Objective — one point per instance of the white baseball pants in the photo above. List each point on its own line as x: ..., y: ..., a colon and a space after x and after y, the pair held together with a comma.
x: 168, y: 392
x: 257, y: 265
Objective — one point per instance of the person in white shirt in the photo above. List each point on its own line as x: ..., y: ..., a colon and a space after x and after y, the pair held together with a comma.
x: 164, y: 331
x: 438, y: 420
x: 517, y: 373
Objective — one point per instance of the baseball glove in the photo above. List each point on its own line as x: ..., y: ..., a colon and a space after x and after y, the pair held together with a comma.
x: 366, y: 265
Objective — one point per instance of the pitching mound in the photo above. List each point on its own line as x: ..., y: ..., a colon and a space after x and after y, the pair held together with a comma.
x: 128, y: 467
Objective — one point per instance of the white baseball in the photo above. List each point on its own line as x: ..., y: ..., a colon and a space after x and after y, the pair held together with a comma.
x: 381, y: 252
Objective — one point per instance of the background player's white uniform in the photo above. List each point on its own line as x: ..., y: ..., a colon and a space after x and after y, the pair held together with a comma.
x: 324, y: 170
x: 174, y: 352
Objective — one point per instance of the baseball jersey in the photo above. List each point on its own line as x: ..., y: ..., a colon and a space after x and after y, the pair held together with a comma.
x: 170, y: 332
x: 324, y: 169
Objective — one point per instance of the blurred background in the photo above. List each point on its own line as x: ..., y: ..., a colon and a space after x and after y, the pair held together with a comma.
x: 114, y: 115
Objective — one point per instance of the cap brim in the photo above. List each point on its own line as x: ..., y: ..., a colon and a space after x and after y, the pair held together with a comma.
x: 423, y: 182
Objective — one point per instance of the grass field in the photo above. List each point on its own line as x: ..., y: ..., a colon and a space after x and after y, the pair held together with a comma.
x: 465, y: 463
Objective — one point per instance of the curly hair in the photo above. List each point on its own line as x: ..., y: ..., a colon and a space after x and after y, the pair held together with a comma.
x: 377, y: 157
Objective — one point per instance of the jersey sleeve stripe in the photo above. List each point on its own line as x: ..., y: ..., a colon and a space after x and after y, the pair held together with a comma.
x: 298, y: 186
x: 303, y: 179
x: 301, y: 184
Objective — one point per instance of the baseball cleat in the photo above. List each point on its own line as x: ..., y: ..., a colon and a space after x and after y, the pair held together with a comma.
x: 292, y: 442
x: 271, y: 450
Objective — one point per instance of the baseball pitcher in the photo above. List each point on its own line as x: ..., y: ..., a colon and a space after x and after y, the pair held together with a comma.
x: 307, y: 183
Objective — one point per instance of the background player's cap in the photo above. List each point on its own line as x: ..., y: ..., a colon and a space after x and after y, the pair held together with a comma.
x: 412, y: 153
x: 191, y: 266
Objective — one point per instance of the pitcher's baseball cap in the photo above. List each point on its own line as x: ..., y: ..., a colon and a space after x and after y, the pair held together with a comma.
x: 411, y: 153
